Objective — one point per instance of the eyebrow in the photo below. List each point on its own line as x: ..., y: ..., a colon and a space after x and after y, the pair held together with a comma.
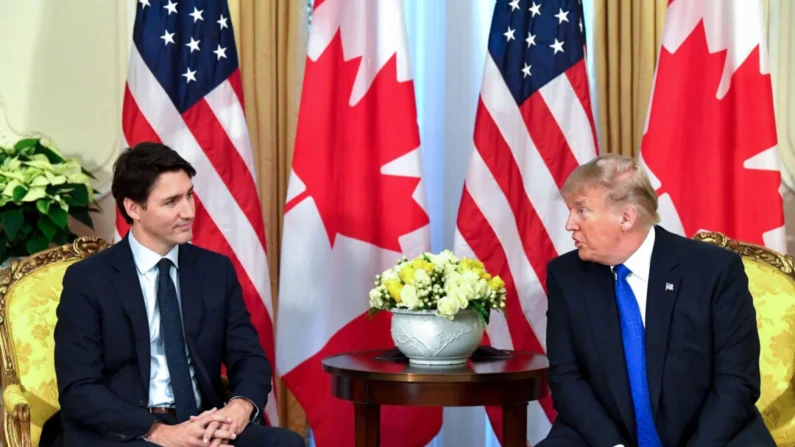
x: 176, y: 196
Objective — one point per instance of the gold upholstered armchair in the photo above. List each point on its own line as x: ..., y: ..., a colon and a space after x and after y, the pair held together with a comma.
x: 771, y: 277
x: 29, y: 293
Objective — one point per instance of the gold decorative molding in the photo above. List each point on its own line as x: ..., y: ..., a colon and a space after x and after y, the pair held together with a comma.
x: 9, y: 136
x: 785, y: 263
x: 16, y: 423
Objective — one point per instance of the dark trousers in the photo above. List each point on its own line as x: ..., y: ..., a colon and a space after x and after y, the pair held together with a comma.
x: 252, y: 436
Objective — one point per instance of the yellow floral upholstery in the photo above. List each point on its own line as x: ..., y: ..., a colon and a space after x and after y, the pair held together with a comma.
x: 32, y: 289
x: 31, y: 319
x: 771, y: 278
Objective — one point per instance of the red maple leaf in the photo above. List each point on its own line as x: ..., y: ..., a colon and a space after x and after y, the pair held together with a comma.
x: 696, y: 144
x: 340, y: 150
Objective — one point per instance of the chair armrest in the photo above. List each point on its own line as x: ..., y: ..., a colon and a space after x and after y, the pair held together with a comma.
x: 16, y: 418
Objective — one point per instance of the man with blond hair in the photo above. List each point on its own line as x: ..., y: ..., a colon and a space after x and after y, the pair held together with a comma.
x: 651, y: 337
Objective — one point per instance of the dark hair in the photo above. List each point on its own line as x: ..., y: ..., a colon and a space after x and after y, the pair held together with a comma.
x: 136, y: 170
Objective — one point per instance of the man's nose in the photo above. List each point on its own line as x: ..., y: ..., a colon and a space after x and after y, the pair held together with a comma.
x: 571, y: 223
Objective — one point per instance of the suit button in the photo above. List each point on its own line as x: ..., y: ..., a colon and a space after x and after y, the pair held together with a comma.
x: 142, y: 403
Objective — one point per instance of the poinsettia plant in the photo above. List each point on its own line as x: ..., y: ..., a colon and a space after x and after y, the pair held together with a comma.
x: 39, y: 189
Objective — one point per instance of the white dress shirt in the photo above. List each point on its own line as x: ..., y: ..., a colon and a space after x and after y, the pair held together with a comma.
x: 160, y: 391
x: 639, y: 264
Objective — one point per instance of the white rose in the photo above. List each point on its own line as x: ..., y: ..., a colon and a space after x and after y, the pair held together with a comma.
x: 447, y: 307
x: 457, y: 293
x: 448, y: 256
x: 482, y: 289
x: 421, y: 277
x: 389, y: 274
x: 409, y: 298
x: 443, y: 258
x: 375, y: 298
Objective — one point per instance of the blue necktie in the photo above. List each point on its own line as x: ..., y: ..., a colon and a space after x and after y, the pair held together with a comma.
x: 633, y: 335
x: 174, y: 343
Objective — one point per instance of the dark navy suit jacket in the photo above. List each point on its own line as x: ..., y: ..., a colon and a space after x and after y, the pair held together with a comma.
x: 702, y: 349
x: 102, y: 357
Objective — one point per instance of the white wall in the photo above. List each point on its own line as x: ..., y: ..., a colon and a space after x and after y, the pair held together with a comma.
x: 63, y: 71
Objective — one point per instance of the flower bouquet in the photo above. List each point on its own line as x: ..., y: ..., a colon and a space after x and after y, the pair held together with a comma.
x: 441, y: 305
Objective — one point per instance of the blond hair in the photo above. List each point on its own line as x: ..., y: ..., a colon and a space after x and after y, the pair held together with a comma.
x: 622, y: 178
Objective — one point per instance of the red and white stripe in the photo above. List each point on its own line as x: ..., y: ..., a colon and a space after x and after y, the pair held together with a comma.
x: 511, y: 215
x: 213, y: 137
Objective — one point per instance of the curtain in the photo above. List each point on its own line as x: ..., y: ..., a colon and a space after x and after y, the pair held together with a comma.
x: 627, y: 37
x: 271, y: 40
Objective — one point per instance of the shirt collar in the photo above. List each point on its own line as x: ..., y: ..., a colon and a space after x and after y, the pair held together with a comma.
x: 146, y: 259
x: 639, y: 263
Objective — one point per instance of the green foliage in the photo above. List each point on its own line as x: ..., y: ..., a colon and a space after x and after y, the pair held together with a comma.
x: 39, y: 189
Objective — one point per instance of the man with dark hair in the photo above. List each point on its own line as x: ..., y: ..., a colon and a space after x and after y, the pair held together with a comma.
x: 144, y: 327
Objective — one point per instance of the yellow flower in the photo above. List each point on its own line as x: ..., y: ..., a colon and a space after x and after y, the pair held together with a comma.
x: 407, y: 273
x: 393, y: 286
x: 474, y: 266
x: 422, y: 264
x: 496, y: 283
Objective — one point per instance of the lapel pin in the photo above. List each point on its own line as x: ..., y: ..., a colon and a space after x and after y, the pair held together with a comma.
x: 669, y: 286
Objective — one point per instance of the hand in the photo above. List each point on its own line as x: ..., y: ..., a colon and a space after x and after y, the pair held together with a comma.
x: 191, y: 433
x: 237, y: 412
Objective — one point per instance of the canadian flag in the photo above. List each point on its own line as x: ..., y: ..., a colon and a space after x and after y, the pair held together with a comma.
x: 355, y: 204
x: 710, y: 138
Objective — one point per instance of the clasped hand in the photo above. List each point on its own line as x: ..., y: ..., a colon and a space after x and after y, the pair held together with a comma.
x: 215, y: 428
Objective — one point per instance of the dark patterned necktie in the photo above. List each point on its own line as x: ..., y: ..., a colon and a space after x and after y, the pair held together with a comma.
x: 174, y: 342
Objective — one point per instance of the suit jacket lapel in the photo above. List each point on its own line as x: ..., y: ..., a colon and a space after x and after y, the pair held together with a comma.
x: 190, y: 292
x: 603, y: 312
x: 664, y: 284
x: 128, y: 289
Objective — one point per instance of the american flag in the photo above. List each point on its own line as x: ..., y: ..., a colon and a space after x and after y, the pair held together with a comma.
x: 534, y: 126
x: 184, y: 90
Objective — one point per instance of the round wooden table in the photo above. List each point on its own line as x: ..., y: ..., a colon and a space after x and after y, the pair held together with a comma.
x: 370, y: 380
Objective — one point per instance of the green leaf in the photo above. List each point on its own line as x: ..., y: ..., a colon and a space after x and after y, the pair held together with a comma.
x: 10, y: 187
x: 18, y: 193
x: 27, y: 227
x: 89, y: 174
x: 41, y: 180
x: 47, y: 227
x: 61, y: 238
x: 78, y: 196
x: 53, y: 156
x: 35, y: 193
x: 43, y: 205
x: 481, y: 310
x: 55, y: 179
x: 26, y: 143
x: 82, y: 216
x: 59, y: 216
x: 37, y: 243
x: 12, y: 221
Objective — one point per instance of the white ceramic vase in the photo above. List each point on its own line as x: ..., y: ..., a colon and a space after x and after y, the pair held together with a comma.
x: 427, y: 339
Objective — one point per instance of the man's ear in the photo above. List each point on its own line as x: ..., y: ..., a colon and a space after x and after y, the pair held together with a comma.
x: 133, y: 208
x: 629, y: 217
